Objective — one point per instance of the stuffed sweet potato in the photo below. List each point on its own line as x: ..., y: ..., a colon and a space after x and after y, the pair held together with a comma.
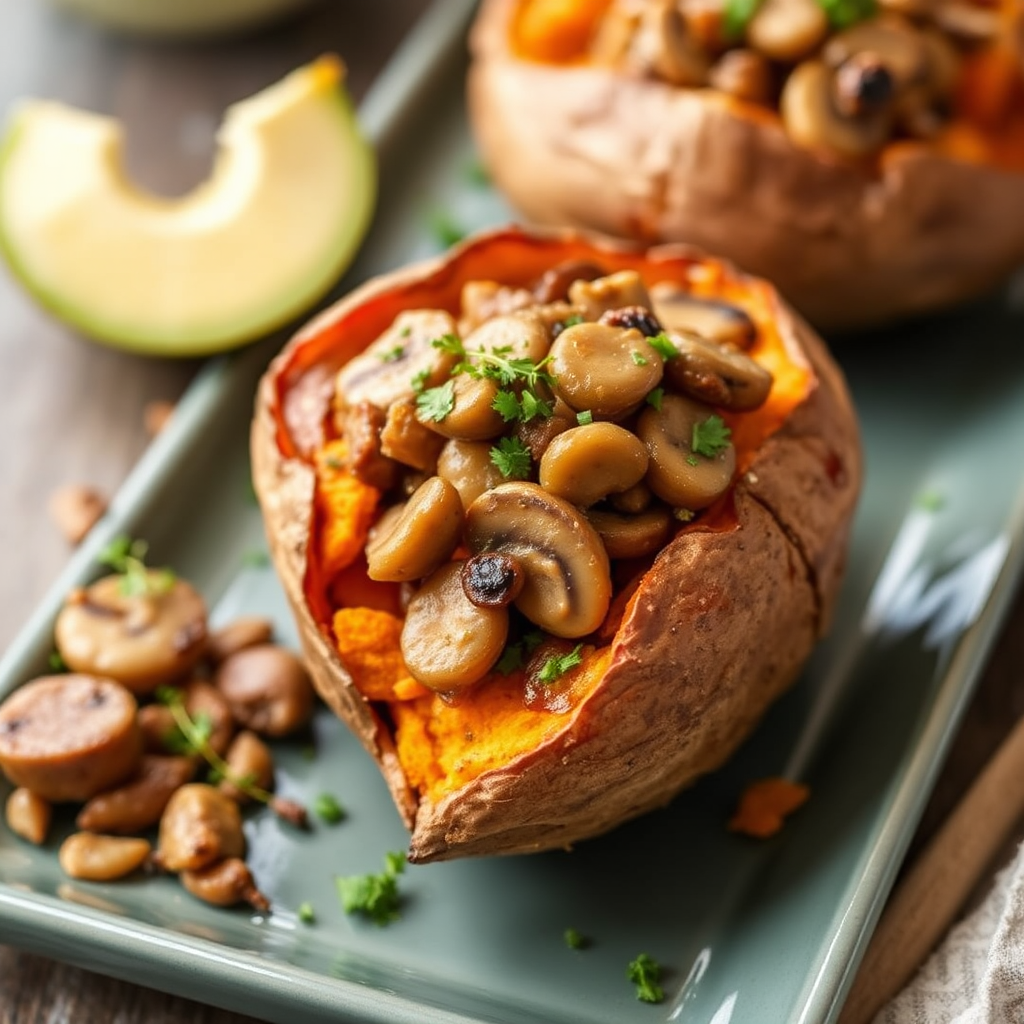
x: 870, y: 172
x: 558, y: 519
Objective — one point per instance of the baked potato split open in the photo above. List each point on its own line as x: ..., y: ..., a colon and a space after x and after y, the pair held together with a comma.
x: 563, y: 657
x: 870, y: 173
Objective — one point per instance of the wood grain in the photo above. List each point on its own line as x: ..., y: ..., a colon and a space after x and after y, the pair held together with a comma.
x: 72, y: 412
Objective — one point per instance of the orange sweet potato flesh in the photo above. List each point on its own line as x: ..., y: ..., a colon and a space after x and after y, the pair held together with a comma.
x: 698, y: 642
x: 928, y: 225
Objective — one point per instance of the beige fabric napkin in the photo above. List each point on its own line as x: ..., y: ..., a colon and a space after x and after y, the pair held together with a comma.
x: 977, y: 975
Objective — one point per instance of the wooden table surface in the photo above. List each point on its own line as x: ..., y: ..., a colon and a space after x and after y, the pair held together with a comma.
x: 73, y: 412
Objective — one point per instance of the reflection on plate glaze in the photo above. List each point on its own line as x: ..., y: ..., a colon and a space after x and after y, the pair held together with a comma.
x: 911, y: 593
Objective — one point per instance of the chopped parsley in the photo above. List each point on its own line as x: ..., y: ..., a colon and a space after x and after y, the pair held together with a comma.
x: 56, y: 662
x: 638, y: 358
x: 515, y: 655
x: 255, y: 558
x: 584, y: 417
x: 512, y: 458
x: 572, y: 320
x: 663, y: 345
x: 843, y: 13
x: 327, y: 808
x: 645, y: 973
x: 392, y: 355
x: 374, y: 896
x: 654, y: 397
x: 128, y: 559
x: 419, y: 381
x: 558, y: 664
x: 710, y: 437
x: 575, y: 939
x: 306, y: 913
x: 435, y: 403
x: 736, y: 17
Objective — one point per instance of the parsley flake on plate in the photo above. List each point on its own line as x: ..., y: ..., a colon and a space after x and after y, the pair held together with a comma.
x: 645, y: 973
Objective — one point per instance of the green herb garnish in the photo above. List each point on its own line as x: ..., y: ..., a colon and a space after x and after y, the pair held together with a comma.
x: 515, y: 655
x: 193, y: 739
x: 575, y: 939
x: 638, y: 359
x: 572, y: 320
x: 435, y: 403
x: 56, y: 662
x: 512, y: 458
x: 306, y: 913
x: 392, y: 355
x: 419, y: 381
x: 374, y: 896
x: 654, y: 397
x: 645, y: 973
x: 663, y: 345
x: 256, y: 558
x: 736, y: 17
x: 684, y: 515
x: 327, y: 808
x: 844, y: 13
x: 710, y: 437
x: 585, y: 417
x: 558, y: 664
x: 128, y: 559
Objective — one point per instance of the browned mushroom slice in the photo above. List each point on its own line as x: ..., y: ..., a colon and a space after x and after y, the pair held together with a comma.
x: 812, y: 120
x: 539, y: 432
x: 482, y: 300
x: 423, y: 535
x: 385, y: 372
x: 472, y: 416
x: 633, y: 536
x: 554, y: 284
x: 568, y: 582
x: 662, y: 45
x: 595, y: 297
x: 69, y: 737
x: 607, y: 371
x: 716, y: 374
x: 469, y: 468
x: 140, y: 640
x: 787, y: 30
x: 692, y: 460
x: 406, y: 440
x: 680, y: 310
x: 200, y: 825
x: 891, y: 39
x: 744, y: 75
x: 449, y: 643
x: 589, y: 462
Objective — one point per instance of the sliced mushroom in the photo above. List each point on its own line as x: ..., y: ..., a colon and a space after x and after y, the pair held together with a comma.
x: 863, y: 85
x: 614, y: 291
x: 522, y: 335
x: 607, y: 371
x: 472, y: 416
x: 662, y: 45
x: 423, y: 536
x: 482, y: 300
x: 633, y: 536
x: 385, y: 371
x: 492, y: 580
x: 449, y: 643
x: 140, y: 640
x: 69, y: 737
x: 589, y: 462
x: 745, y: 75
x: 539, y: 432
x: 680, y: 310
x: 568, y: 582
x: 639, y: 317
x: 469, y: 468
x: 811, y: 119
x: 717, y: 374
x: 556, y: 283
x: 891, y: 39
x: 787, y: 30
x: 680, y: 471
x: 633, y: 501
x: 199, y: 826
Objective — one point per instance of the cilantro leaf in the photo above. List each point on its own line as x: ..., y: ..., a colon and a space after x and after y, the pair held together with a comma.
x: 532, y: 406
x: 663, y: 345
x: 327, y: 808
x: 374, y: 896
x: 506, y: 405
x: 584, y: 417
x: 512, y: 458
x: 654, y: 397
x: 558, y: 664
x: 305, y: 913
x: 843, y: 13
x: 645, y: 972
x: 710, y: 436
x: 638, y: 358
x: 737, y: 15
x: 435, y: 403
x: 392, y: 355
x: 451, y: 343
x: 575, y: 939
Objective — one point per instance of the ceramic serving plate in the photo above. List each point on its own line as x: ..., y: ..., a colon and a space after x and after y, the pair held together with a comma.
x: 747, y: 932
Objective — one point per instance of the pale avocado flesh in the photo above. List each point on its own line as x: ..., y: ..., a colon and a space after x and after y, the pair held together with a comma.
x: 252, y: 248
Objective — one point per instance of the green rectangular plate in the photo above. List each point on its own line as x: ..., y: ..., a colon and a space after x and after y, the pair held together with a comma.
x: 748, y: 932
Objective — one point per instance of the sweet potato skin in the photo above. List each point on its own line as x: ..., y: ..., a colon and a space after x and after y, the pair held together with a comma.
x: 848, y: 247
x: 706, y: 644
